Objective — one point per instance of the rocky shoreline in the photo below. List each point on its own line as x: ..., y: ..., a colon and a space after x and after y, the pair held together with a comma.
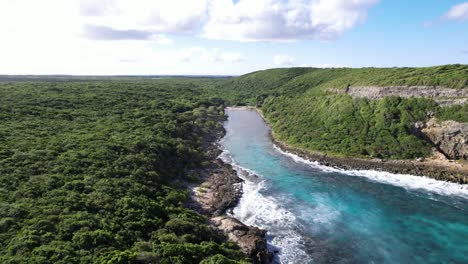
x: 220, y: 192
x: 221, y: 188
x: 444, y: 171
x: 435, y: 171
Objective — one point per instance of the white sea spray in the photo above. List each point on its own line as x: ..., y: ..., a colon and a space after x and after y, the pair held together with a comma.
x: 407, y: 181
x: 267, y: 212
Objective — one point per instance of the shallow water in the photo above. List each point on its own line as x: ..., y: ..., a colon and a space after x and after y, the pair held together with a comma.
x: 318, y: 214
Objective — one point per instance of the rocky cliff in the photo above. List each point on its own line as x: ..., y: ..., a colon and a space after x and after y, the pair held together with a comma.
x: 443, y: 96
x: 449, y: 137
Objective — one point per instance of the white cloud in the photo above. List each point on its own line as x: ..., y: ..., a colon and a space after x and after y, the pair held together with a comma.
x: 246, y: 20
x: 108, y: 33
x: 215, y: 55
x: 96, y: 8
x: 135, y: 36
x: 283, y: 20
x: 283, y: 60
x: 157, y: 16
x: 162, y: 39
x: 458, y: 12
x: 210, y: 55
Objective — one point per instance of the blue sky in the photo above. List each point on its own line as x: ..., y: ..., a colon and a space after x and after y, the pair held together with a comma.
x: 225, y: 37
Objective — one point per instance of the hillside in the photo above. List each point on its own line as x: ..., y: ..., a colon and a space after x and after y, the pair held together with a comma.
x: 250, y: 87
x: 313, y: 109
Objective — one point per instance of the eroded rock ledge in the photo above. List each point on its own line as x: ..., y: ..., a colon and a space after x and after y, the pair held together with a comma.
x: 443, y: 96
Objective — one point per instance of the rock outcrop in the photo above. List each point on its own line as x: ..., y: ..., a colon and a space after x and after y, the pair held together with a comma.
x: 219, y: 193
x: 250, y: 239
x: 449, y: 137
x: 443, y: 96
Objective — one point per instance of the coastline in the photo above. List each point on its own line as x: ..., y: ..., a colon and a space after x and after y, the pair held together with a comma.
x: 439, y: 171
x: 219, y: 192
x: 222, y: 189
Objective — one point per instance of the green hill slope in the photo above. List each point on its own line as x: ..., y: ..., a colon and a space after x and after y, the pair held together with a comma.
x: 305, y: 114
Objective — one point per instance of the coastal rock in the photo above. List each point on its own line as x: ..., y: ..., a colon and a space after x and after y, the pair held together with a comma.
x: 436, y: 169
x: 221, y: 191
x: 250, y: 239
x: 449, y: 137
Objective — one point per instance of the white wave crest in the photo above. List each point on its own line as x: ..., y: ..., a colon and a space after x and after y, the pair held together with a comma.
x: 407, y: 181
x: 266, y: 212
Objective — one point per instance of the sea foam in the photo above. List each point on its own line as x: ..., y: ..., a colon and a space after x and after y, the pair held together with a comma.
x: 267, y: 212
x: 407, y: 181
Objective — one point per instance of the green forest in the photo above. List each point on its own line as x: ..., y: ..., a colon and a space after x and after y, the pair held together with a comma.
x: 95, y: 170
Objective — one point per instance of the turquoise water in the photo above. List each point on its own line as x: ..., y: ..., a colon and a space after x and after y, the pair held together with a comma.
x: 317, y: 214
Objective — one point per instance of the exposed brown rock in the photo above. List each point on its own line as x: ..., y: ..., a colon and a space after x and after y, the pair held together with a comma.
x: 449, y: 137
x: 250, y: 239
x: 220, y: 192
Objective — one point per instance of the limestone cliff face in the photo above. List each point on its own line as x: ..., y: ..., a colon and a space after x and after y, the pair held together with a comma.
x: 406, y: 91
x: 443, y: 96
x: 449, y: 137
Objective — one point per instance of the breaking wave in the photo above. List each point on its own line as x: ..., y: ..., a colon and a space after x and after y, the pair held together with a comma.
x: 407, y: 181
x: 267, y: 212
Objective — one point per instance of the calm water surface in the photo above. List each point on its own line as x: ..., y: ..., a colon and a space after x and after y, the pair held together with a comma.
x: 317, y: 214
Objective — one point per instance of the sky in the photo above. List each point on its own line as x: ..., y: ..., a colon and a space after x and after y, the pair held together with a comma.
x: 226, y: 37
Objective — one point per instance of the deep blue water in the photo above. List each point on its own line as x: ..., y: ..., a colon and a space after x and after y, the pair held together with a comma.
x: 317, y: 214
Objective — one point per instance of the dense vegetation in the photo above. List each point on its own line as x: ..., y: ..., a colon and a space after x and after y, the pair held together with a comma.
x: 306, y: 114
x: 456, y: 112
x: 95, y: 172
x: 341, y: 125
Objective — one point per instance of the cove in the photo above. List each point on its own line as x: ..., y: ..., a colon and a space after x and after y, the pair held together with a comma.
x: 318, y: 214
